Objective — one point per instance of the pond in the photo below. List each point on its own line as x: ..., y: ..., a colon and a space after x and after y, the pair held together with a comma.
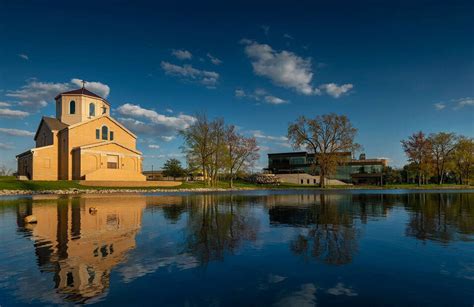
x: 284, y: 248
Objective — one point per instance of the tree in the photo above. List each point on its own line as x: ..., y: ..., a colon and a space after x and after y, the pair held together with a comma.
x: 172, y: 168
x: 463, y: 159
x: 325, y: 136
x: 241, y: 152
x: 418, y: 150
x: 5, y: 171
x: 442, y: 147
x: 198, y: 149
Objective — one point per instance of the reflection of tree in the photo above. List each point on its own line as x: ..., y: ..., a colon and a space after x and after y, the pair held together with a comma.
x: 332, y: 238
x: 442, y: 217
x: 173, y: 212
x: 216, y: 225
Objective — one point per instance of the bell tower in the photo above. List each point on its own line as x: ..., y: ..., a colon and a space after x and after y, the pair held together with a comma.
x: 80, y: 105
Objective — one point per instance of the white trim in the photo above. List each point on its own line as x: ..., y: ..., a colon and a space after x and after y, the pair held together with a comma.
x: 102, y: 116
x: 106, y: 143
x: 101, y: 152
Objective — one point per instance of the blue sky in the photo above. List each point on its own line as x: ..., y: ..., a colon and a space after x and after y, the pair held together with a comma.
x: 392, y: 67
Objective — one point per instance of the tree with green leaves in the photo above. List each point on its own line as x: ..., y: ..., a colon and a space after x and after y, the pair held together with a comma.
x: 442, y: 148
x: 324, y: 136
x: 173, y: 168
x: 463, y: 159
x: 418, y: 150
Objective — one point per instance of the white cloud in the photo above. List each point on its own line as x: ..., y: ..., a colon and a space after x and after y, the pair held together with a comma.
x: 146, y: 121
x: 284, y: 68
x: 4, y: 104
x: 239, y: 93
x: 260, y: 135
x: 154, y: 146
x: 275, y: 100
x: 189, y: 73
x: 335, y: 90
x: 5, y: 112
x: 456, y: 104
x: 167, y: 138
x: 258, y: 95
x: 169, y: 110
x: 266, y: 29
x: 214, y: 60
x: 340, y: 289
x: 101, y: 89
x: 16, y: 132
x: 464, y: 102
x: 182, y: 54
x: 5, y: 146
x: 37, y: 94
x: 288, y: 36
x: 439, y: 106
x: 24, y: 56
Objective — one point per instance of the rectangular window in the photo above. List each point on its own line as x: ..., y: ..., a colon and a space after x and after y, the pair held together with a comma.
x: 112, y: 161
x: 111, y: 135
x: 97, y: 134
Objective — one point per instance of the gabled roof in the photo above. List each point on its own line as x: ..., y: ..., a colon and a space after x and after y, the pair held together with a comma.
x: 82, y: 91
x: 53, y: 124
x: 102, y: 116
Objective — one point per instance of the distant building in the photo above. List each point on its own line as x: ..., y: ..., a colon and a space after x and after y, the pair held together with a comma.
x: 357, y: 171
x: 153, y: 175
x: 83, y: 142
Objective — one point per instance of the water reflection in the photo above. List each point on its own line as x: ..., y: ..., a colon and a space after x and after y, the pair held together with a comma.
x: 440, y: 217
x: 79, y: 241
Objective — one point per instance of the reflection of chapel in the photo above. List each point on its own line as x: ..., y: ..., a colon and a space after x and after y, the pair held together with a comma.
x: 82, y: 142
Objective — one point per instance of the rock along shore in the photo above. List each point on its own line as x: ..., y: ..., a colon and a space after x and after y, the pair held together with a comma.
x: 113, y: 191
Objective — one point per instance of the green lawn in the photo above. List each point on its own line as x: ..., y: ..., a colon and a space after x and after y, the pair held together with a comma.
x: 10, y: 183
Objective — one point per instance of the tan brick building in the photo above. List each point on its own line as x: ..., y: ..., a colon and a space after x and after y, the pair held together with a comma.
x: 83, y: 142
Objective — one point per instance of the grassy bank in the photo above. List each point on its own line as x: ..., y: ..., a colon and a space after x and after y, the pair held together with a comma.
x: 10, y: 183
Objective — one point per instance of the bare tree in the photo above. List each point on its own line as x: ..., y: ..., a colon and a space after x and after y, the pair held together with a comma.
x: 442, y: 148
x: 198, y: 144
x: 218, y: 149
x: 418, y: 150
x: 325, y: 136
x: 241, y: 152
x: 5, y: 171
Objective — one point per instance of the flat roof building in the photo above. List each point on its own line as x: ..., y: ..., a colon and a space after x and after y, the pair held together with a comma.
x: 349, y: 170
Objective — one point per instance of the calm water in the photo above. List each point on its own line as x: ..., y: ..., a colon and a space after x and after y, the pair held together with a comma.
x: 253, y: 248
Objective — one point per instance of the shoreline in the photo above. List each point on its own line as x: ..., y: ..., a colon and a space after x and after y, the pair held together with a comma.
x: 74, y: 191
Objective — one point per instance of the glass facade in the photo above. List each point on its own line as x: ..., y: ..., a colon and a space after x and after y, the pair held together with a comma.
x: 347, y: 170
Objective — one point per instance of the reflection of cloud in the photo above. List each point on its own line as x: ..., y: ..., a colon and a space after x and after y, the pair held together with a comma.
x: 274, y: 279
x: 340, y: 289
x: 143, y: 267
x: 304, y: 297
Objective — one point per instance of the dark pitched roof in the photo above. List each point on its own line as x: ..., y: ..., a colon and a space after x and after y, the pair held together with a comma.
x: 80, y: 91
x: 52, y: 123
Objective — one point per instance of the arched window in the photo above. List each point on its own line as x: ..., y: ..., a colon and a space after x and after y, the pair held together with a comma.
x: 72, y: 107
x: 105, y: 132
x: 91, y: 109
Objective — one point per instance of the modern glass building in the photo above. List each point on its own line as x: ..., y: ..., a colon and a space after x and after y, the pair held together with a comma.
x: 357, y: 171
